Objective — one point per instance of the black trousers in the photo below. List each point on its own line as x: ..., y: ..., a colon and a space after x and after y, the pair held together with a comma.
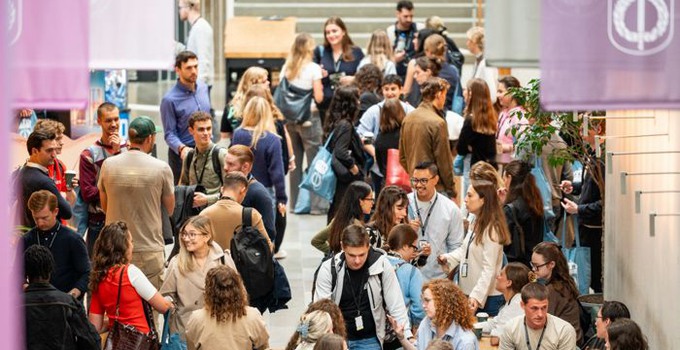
x: 592, y: 237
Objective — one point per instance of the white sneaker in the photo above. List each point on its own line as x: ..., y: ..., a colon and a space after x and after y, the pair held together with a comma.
x: 282, y: 254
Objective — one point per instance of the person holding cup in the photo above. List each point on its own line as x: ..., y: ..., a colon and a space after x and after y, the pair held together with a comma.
x: 447, y: 317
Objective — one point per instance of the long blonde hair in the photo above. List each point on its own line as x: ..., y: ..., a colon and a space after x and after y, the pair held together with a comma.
x: 262, y: 90
x: 185, y: 258
x: 380, y: 49
x: 300, y: 54
x: 258, y: 116
x: 252, y: 75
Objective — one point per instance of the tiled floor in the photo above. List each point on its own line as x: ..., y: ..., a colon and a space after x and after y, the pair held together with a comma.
x: 302, y: 260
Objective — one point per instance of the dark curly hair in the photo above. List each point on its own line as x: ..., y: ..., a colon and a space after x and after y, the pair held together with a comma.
x: 451, y: 304
x: 110, y: 250
x: 344, y: 106
x: 225, y: 295
x: 38, y: 263
x: 332, y: 309
x: 369, y: 79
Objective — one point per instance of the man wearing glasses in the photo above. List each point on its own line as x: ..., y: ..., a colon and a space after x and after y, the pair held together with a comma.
x: 437, y: 220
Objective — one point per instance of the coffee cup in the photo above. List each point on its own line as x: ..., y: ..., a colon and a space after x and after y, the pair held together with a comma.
x: 70, y: 175
x: 482, y: 317
x: 477, y: 327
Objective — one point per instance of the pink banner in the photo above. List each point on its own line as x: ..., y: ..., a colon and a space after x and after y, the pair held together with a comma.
x: 610, y: 54
x: 132, y: 34
x: 49, y: 40
x: 11, y: 331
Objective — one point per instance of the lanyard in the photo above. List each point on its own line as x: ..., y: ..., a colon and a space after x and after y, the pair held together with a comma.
x: 357, y: 301
x: 423, y: 224
x: 199, y: 180
x: 467, y: 251
x: 336, y: 64
x: 526, y: 333
x: 37, y: 236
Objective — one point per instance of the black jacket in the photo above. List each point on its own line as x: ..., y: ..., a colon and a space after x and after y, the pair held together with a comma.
x: 531, y: 225
x: 55, y: 320
x: 590, y: 201
x: 347, y: 150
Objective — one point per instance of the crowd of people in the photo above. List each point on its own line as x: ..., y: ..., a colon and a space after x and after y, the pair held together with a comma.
x: 407, y: 264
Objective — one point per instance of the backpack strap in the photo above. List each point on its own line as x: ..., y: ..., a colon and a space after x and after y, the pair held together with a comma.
x: 334, y: 271
x: 190, y: 158
x: 217, y: 166
x: 247, y: 217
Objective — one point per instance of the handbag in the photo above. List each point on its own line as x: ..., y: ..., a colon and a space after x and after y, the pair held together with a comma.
x: 125, y: 337
x: 303, y: 205
x: 395, y: 173
x: 578, y: 258
x: 295, y: 103
x: 320, y: 177
x: 171, y: 341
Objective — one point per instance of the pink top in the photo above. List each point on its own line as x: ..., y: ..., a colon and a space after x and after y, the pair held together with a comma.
x: 506, y: 120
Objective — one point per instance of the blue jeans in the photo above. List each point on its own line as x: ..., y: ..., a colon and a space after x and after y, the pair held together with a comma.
x: 364, y: 344
x: 493, y: 305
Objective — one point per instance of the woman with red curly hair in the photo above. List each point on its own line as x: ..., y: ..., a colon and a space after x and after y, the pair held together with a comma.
x: 448, y: 316
x: 226, y: 321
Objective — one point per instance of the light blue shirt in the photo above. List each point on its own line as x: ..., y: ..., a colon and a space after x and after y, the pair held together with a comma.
x: 411, y: 283
x: 370, y: 122
x: 456, y: 335
x: 443, y: 230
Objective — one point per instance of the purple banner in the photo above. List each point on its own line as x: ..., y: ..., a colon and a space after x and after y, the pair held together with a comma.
x: 49, y: 40
x: 11, y: 331
x: 610, y: 54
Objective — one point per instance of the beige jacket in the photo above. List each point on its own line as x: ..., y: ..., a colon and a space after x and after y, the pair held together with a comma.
x: 248, y: 332
x: 226, y: 215
x: 187, y: 290
x: 483, y: 265
x: 425, y: 138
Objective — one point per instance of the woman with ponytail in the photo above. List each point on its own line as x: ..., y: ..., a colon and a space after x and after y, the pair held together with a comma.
x: 523, y: 211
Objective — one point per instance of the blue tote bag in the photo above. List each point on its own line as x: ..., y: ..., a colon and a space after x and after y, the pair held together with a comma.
x: 578, y: 258
x: 171, y: 341
x: 545, y: 188
x: 320, y: 177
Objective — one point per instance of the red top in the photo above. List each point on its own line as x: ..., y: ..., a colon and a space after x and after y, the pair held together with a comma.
x: 57, y: 172
x: 131, y: 311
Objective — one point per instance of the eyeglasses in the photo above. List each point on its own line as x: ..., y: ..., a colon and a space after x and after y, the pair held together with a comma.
x: 422, y: 181
x: 415, y: 247
x: 191, y: 236
x: 372, y: 199
x: 535, y: 267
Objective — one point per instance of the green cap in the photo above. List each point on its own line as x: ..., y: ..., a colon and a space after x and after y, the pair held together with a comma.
x: 143, y: 127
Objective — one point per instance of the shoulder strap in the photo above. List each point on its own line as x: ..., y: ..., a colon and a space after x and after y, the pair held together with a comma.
x: 222, y: 260
x: 247, y: 217
x: 120, y: 285
x: 334, y: 271
x: 217, y: 166
x: 190, y: 158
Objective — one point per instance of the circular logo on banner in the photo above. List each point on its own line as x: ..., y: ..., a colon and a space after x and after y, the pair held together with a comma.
x: 641, y: 27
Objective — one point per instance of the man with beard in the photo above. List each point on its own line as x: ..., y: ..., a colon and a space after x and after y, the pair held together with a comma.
x: 189, y: 95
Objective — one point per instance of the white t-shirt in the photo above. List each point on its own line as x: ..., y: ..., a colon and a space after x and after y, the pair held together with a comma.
x: 138, y: 280
x: 306, y: 77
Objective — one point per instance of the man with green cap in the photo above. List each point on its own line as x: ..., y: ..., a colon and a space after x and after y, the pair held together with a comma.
x: 132, y: 188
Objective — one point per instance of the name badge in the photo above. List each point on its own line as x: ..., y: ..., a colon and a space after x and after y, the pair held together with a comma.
x: 359, y: 322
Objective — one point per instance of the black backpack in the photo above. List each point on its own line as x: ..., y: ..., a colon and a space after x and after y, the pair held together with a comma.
x: 253, y: 257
